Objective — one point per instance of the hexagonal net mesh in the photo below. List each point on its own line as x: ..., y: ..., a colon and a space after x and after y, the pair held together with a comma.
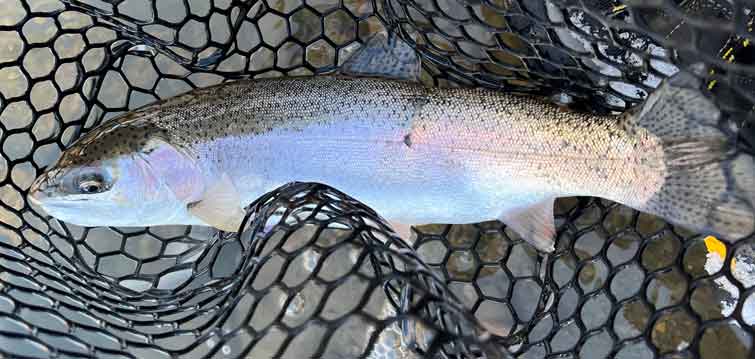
x: 314, y: 273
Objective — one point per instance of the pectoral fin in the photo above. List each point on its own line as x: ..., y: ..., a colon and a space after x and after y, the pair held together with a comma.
x: 220, y: 206
x: 534, y: 223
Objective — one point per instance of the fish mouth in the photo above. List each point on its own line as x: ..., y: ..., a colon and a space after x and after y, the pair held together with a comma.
x: 43, y: 189
x: 38, y: 192
x: 42, y: 183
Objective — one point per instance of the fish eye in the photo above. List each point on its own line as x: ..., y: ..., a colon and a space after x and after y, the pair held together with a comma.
x: 91, y: 183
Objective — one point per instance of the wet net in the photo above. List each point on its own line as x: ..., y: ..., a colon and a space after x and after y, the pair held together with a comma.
x: 314, y: 273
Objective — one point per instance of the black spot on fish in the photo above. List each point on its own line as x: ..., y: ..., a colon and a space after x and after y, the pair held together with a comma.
x: 408, y: 140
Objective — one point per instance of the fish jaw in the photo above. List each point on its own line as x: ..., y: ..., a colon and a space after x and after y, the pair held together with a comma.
x: 76, y: 212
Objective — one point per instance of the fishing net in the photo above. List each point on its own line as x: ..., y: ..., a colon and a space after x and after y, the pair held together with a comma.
x: 314, y: 273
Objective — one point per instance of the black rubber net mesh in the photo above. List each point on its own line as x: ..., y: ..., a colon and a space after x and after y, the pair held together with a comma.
x: 314, y: 273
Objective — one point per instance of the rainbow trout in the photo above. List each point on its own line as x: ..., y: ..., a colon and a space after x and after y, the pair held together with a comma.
x: 415, y: 154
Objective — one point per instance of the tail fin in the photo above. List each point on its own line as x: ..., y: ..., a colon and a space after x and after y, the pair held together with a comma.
x: 709, y: 184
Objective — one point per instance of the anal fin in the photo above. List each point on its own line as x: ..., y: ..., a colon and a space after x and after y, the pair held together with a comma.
x: 534, y: 223
x: 220, y: 206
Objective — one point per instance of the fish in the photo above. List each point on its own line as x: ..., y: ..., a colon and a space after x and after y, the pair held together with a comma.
x: 415, y: 154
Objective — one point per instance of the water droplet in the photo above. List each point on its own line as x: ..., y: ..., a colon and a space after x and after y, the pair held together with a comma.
x: 297, y: 305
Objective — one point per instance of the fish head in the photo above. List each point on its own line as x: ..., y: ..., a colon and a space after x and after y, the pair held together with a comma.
x: 121, y: 178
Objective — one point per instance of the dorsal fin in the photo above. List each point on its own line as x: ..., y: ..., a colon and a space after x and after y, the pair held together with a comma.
x: 386, y: 57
